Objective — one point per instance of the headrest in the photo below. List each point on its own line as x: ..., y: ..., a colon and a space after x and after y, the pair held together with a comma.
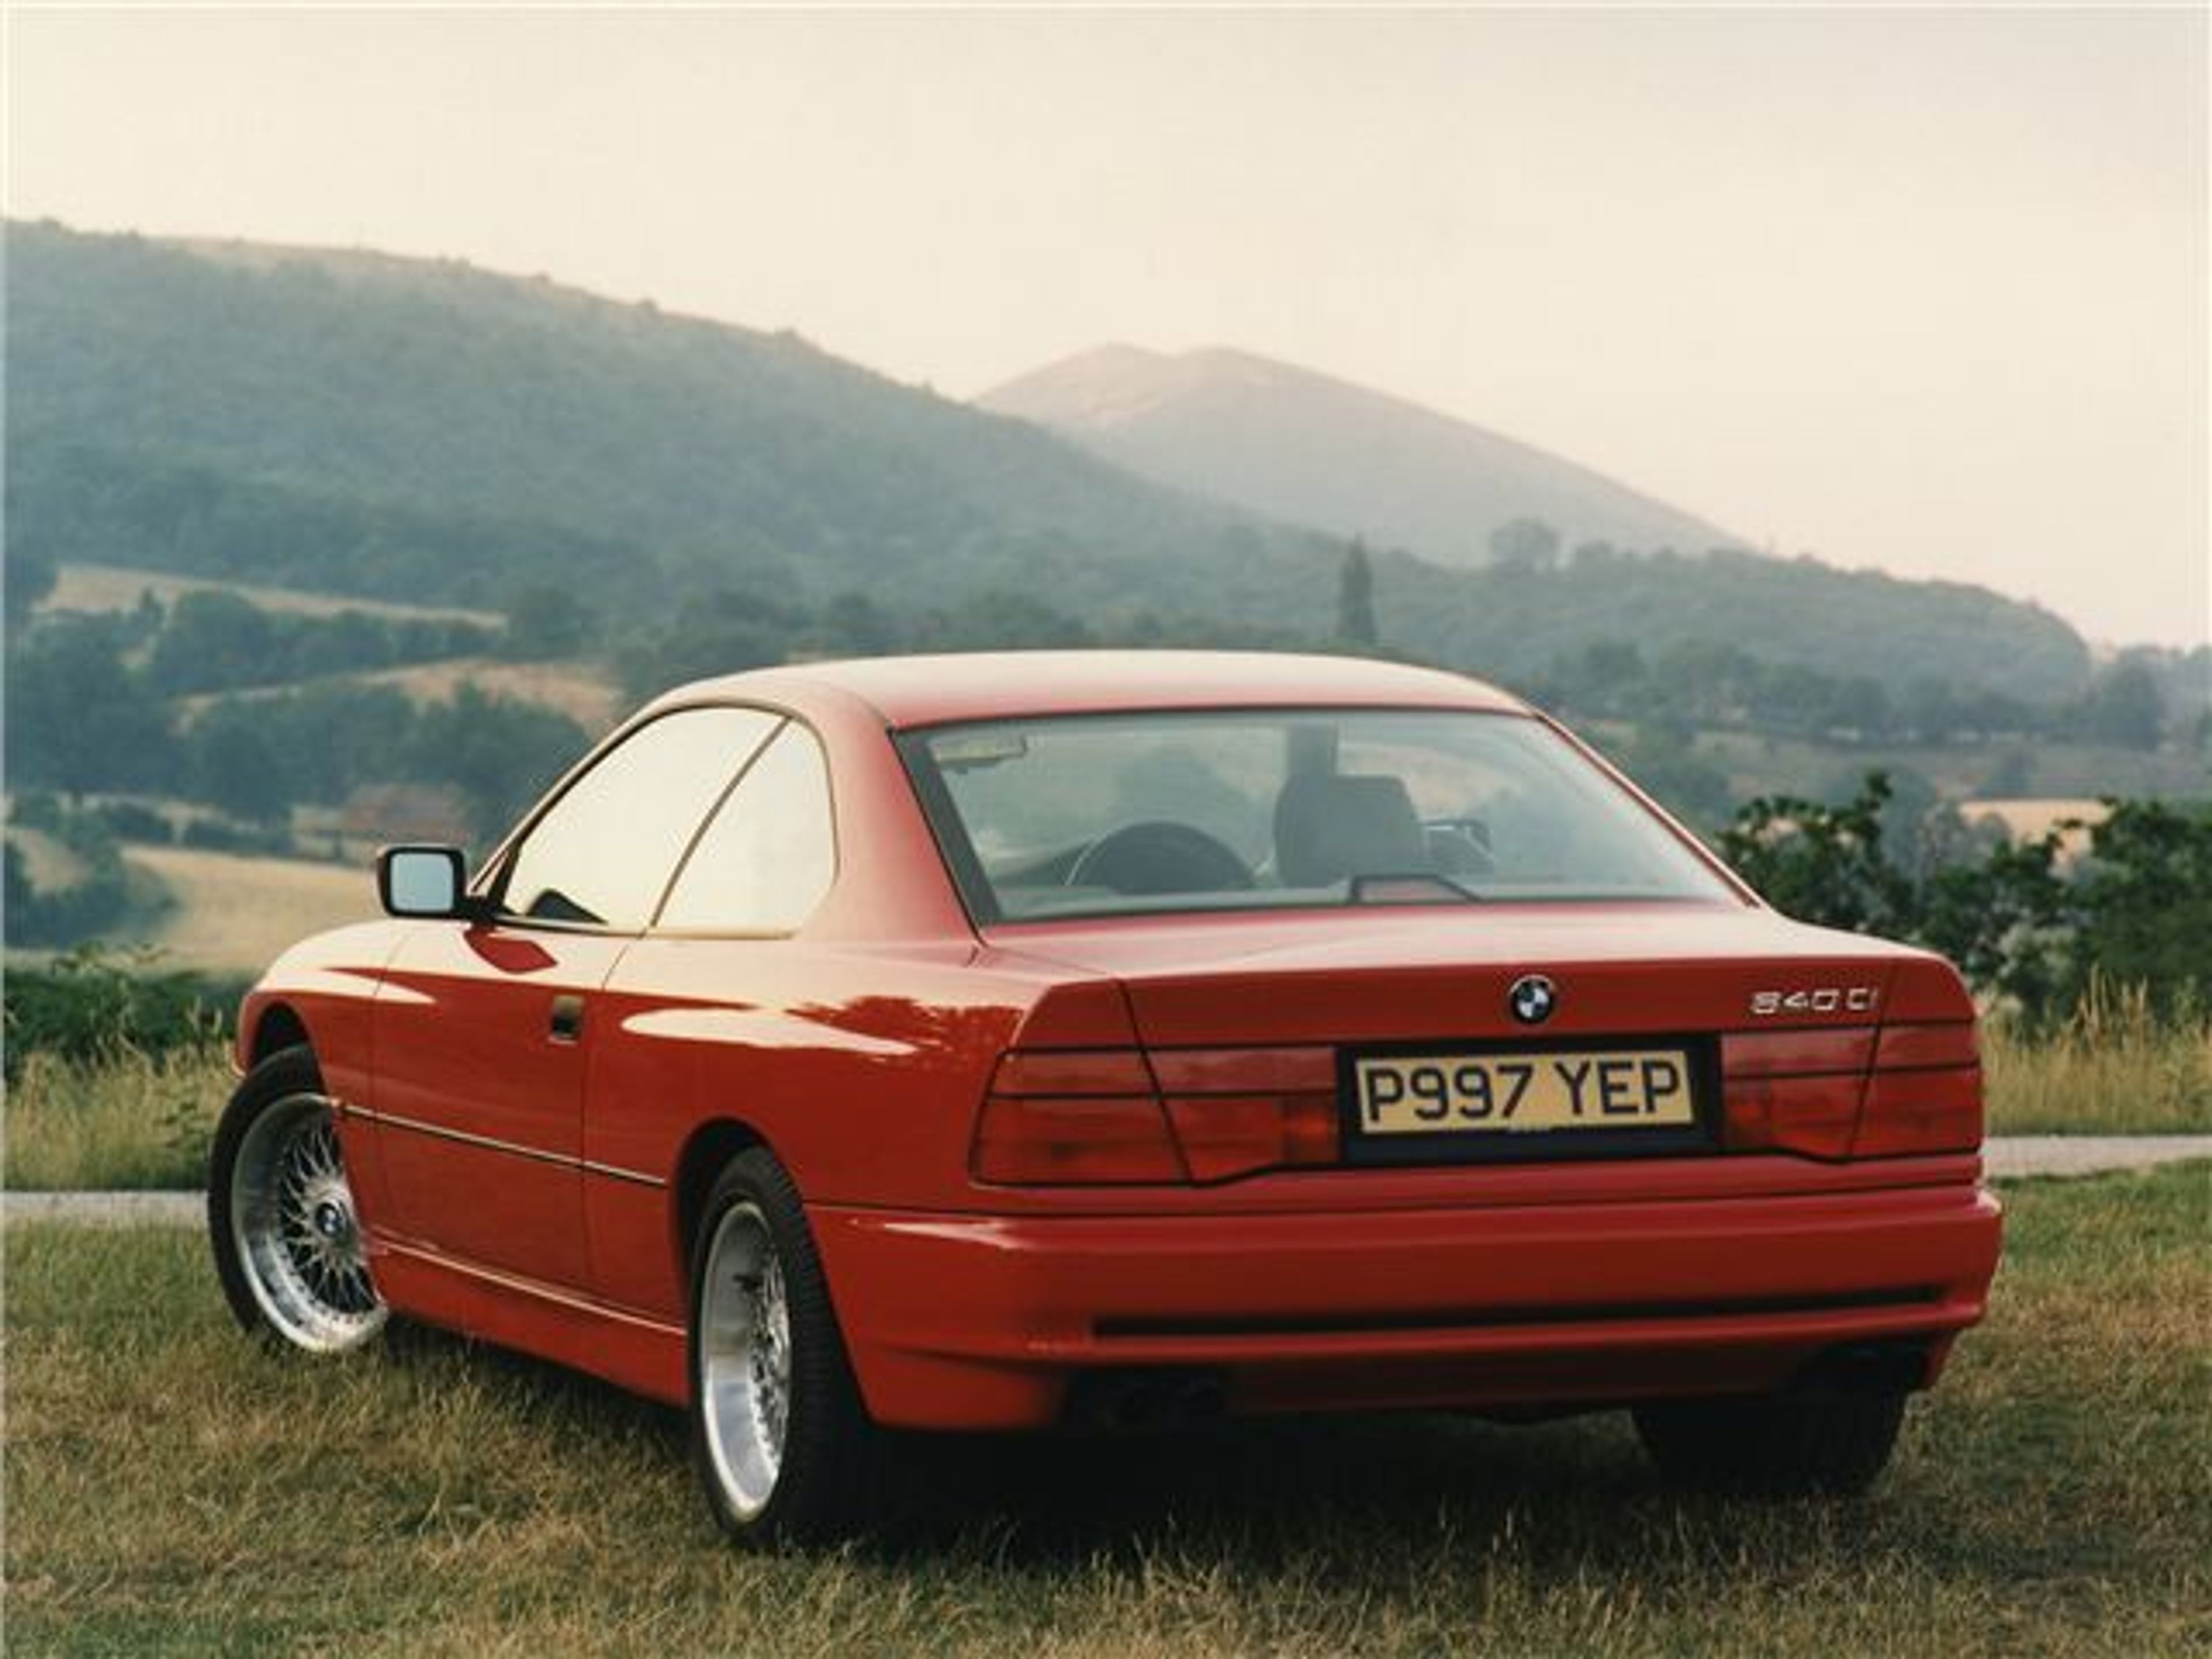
x: 1329, y: 826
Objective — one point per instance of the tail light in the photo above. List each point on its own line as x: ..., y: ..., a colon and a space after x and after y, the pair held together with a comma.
x: 1854, y: 1091
x: 1925, y: 1094
x: 1081, y: 1117
x: 1237, y: 1111
x: 1795, y: 1091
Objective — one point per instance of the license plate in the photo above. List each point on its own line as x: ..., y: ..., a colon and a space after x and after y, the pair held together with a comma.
x: 1506, y: 1094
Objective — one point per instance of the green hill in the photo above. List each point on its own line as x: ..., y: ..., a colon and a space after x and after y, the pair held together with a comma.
x: 427, y: 432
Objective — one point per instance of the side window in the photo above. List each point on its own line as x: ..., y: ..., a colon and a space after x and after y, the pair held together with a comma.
x: 602, y: 852
x: 767, y: 858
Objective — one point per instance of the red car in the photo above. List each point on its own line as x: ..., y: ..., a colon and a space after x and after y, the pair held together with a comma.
x: 998, y: 1043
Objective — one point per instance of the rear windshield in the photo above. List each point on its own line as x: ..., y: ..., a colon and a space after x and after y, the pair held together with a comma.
x: 1101, y: 815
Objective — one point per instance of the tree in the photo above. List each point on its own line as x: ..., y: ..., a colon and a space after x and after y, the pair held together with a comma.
x: 78, y: 717
x: 546, y: 622
x: 2003, y: 922
x: 1355, y: 597
x: 1524, y: 545
x: 853, y: 625
x: 215, y: 640
x: 2011, y: 776
x: 500, y: 753
x: 2144, y: 901
x: 1823, y: 864
x: 17, y: 899
x: 2124, y: 707
x: 29, y: 577
x: 234, y: 766
x: 1663, y: 757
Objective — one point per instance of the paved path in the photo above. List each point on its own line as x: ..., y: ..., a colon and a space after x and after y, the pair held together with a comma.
x: 2007, y: 1155
x: 108, y: 1209
x: 2069, y: 1154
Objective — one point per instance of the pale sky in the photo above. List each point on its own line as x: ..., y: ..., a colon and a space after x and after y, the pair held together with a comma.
x: 1924, y: 290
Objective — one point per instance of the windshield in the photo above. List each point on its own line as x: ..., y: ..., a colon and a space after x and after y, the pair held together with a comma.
x: 1101, y: 815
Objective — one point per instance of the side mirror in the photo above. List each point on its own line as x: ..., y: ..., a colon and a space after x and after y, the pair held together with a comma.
x: 424, y: 882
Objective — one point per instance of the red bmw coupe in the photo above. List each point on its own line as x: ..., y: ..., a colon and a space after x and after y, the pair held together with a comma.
x: 1117, y: 1038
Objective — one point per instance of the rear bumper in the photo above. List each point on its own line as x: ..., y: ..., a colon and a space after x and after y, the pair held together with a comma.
x: 961, y: 1321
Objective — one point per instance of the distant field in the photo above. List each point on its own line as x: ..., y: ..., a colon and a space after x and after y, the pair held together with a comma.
x: 50, y: 866
x: 578, y: 690
x: 233, y: 914
x: 113, y: 587
x: 1758, y: 765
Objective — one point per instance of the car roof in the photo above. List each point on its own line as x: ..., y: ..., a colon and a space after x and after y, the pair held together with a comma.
x: 929, y: 690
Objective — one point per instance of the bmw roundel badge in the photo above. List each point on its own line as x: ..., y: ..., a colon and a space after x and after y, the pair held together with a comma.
x: 1532, y: 998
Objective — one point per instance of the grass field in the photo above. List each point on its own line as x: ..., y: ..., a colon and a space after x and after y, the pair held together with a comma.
x: 233, y: 915
x: 579, y: 689
x: 142, y: 1122
x: 113, y: 587
x: 49, y: 865
x: 173, y: 1488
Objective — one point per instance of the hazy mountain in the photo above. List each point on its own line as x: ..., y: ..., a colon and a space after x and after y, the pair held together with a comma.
x: 1309, y: 449
x: 423, y: 430
x: 242, y: 384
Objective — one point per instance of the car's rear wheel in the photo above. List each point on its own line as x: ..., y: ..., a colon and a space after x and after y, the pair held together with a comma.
x: 784, y: 1447
x: 281, y: 1216
x: 1791, y: 1443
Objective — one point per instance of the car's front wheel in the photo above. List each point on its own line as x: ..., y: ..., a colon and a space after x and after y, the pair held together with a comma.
x: 287, y: 1241
x: 784, y: 1447
x: 1785, y: 1445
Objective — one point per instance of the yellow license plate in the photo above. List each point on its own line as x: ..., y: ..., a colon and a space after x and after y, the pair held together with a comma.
x: 1508, y: 1094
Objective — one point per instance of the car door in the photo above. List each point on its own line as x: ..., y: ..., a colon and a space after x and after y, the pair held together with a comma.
x: 720, y: 1008
x: 483, y: 1030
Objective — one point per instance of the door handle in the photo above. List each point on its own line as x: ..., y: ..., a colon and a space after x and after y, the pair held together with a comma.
x: 566, y: 1022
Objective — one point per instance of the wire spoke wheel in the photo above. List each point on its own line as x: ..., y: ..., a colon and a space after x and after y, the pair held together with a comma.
x: 746, y: 1371
x: 295, y: 1231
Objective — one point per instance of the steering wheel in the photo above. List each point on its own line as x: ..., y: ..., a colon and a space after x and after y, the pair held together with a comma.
x: 1156, y: 856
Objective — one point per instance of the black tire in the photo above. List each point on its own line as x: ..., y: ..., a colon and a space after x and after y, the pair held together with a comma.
x: 1794, y: 1443
x: 281, y: 1219
x: 827, y: 1481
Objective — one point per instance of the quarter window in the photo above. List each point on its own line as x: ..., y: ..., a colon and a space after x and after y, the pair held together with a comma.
x: 767, y: 858
x: 602, y: 853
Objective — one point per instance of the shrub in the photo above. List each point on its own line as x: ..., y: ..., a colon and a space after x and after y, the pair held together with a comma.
x: 95, y: 1003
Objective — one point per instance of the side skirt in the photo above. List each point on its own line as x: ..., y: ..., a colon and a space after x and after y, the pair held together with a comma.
x: 644, y: 1355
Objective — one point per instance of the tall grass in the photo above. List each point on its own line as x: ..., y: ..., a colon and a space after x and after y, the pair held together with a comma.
x: 134, y: 1120
x: 2117, y: 1065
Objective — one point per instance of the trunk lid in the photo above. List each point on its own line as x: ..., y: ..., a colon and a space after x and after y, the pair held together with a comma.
x: 1421, y: 972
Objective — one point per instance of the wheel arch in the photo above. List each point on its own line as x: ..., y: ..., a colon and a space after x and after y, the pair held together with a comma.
x: 276, y: 1025
x: 711, y: 1146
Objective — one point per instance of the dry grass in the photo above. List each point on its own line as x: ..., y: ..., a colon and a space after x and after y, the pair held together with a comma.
x: 50, y: 866
x: 581, y: 691
x: 174, y: 1489
x: 138, y: 1120
x: 2117, y: 1067
x: 113, y: 587
x: 233, y: 915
